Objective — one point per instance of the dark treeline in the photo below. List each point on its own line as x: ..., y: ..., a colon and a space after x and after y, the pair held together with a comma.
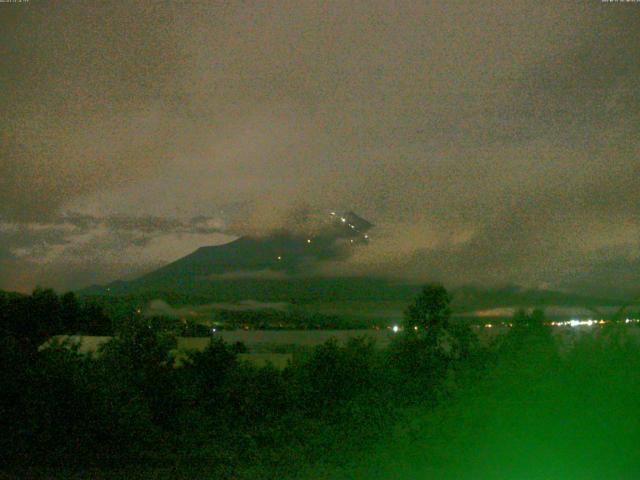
x: 559, y: 403
x: 131, y: 409
x: 294, y: 318
x: 34, y: 318
x: 120, y: 308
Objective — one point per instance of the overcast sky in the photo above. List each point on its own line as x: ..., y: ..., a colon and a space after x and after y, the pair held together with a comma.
x: 490, y: 142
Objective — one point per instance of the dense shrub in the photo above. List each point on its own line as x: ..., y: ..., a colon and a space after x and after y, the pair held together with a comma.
x: 132, y: 404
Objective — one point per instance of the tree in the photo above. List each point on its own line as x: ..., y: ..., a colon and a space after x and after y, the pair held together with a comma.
x: 37, y: 317
x: 94, y: 320
x: 211, y: 366
x: 537, y: 317
x: 138, y: 367
x: 523, y: 319
x: 70, y: 313
x: 430, y: 310
x: 527, y: 329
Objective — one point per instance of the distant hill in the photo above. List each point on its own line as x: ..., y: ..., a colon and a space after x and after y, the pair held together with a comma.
x: 470, y: 298
x: 359, y: 293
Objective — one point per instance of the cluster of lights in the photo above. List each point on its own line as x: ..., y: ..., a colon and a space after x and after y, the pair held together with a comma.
x: 572, y: 323
x: 578, y: 323
x: 589, y: 322
x: 343, y: 220
x: 569, y: 323
x: 353, y: 227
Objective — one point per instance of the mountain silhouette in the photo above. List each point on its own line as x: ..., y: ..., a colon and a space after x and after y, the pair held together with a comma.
x: 276, y: 255
x: 282, y: 266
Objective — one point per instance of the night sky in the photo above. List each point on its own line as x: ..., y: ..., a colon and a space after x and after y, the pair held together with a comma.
x: 490, y: 142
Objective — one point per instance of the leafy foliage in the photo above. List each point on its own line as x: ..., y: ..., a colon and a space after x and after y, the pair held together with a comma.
x: 133, y: 404
x: 430, y: 310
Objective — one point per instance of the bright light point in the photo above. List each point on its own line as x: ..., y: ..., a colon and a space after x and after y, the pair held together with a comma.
x: 343, y: 219
x: 279, y: 257
x: 308, y: 240
x: 574, y: 323
x: 415, y: 328
x: 366, y: 236
x: 395, y: 328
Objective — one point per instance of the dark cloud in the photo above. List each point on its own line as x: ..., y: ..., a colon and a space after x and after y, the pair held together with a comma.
x: 71, y: 249
x: 489, y: 141
x: 152, y: 224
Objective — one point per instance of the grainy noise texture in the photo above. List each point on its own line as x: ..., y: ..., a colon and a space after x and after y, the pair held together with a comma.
x: 489, y: 141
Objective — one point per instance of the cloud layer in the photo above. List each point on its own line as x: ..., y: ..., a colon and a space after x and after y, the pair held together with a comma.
x: 489, y: 141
